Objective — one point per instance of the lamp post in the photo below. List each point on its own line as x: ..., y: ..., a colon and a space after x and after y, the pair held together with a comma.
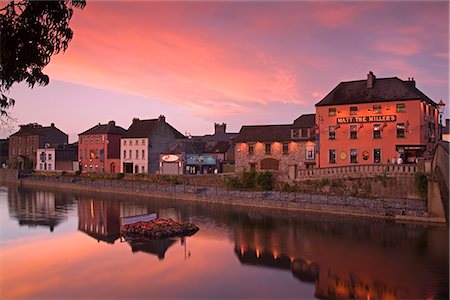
x: 441, y: 105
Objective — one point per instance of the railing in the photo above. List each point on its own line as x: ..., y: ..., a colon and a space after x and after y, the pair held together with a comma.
x: 358, y: 170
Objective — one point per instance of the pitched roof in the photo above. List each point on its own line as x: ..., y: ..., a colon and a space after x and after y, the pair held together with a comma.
x: 144, y: 128
x: 141, y: 128
x: 305, y: 121
x: 383, y: 90
x: 264, y: 133
x: 36, y: 129
x: 186, y: 146
x: 109, y: 128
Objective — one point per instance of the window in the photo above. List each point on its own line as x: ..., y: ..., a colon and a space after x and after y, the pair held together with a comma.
x: 96, y: 139
x: 92, y: 140
x: 376, y: 156
x: 425, y: 108
x: 332, y: 132
x: 310, y: 152
x: 401, y: 107
x: 331, y: 112
x: 268, y: 148
x: 85, y: 154
x: 143, y: 142
x: 353, y: 156
x: 353, y: 110
x: 295, y: 133
x: 102, y: 154
x: 49, y: 156
x: 377, y: 109
x: 50, y: 167
x: 400, y: 130
x: 137, y: 154
x: 143, y: 169
x: 136, y: 142
x: 85, y: 140
x: 353, y: 132
x: 124, y: 142
x: 42, y: 156
x: 332, y: 156
x: 143, y: 154
x: 131, y: 143
x: 377, y: 131
x: 124, y: 154
x: 305, y: 132
x: 130, y: 155
x: 251, y: 148
x: 285, y: 148
x: 41, y: 167
x: 269, y: 164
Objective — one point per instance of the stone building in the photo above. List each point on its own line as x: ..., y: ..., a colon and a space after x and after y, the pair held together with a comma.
x: 24, y: 143
x: 282, y: 148
x: 99, y: 148
x: 144, y: 142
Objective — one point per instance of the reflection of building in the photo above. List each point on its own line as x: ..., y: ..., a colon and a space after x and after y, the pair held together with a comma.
x: 57, y: 158
x: 344, y: 260
x: 24, y: 143
x: 284, y: 148
x: 371, y: 121
x: 38, y: 208
x: 143, y: 143
x: 100, y: 219
x: 99, y: 148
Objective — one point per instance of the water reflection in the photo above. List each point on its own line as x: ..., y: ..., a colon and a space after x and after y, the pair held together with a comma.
x: 335, y: 257
x: 38, y: 208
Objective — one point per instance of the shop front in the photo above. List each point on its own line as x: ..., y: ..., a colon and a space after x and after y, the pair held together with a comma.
x: 409, y: 153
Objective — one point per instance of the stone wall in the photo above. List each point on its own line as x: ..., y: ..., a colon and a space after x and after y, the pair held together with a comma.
x: 7, y: 175
x: 343, y: 205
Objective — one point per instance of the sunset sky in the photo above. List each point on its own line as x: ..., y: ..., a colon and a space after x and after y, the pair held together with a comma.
x: 240, y: 63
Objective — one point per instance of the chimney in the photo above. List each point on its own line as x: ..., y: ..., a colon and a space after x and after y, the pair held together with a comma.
x: 112, y: 124
x: 162, y: 118
x: 135, y: 120
x: 52, y: 125
x: 370, y: 80
x: 413, y: 82
x: 220, y: 128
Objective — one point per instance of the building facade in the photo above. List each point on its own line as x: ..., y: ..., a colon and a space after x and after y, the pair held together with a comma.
x: 24, y: 143
x: 57, y: 158
x: 283, y: 148
x: 144, y: 142
x: 375, y: 121
x: 99, y: 148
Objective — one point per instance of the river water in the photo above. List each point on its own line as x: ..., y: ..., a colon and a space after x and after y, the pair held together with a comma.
x: 68, y: 246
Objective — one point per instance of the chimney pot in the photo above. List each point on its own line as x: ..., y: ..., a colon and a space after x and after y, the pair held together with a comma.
x: 52, y: 125
x: 135, y: 120
x: 112, y: 123
x: 162, y: 118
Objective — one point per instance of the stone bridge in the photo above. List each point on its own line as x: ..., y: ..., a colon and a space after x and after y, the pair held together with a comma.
x: 438, y: 190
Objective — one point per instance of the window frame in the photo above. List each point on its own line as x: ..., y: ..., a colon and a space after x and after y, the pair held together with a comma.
x: 332, y: 154
x: 400, y: 107
x: 353, y: 110
x: 332, y: 111
x: 353, y: 132
x: 374, y: 130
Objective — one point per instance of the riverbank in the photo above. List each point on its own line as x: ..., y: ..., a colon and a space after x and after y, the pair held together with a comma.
x: 385, y: 208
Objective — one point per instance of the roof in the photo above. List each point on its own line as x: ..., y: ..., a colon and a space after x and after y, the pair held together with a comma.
x: 144, y: 128
x: 187, y: 146
x: 218, y: 147
x: 219, y: 136
x: 383, y: 90
x: 35, y: 129
x: 305, y: 121
x: 109, y: 128
x: 264, y: 133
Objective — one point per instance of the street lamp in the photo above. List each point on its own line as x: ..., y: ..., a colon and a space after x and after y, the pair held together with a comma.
x: 441, y: 105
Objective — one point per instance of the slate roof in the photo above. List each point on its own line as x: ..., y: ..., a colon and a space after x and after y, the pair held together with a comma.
x: 264, y: 133
x: 35, y: 130
x: 187, y: 146
x: 144, y: 128
x: 109, y: 128
x: 219, y: 147
x: 383, y: 90
x: 305, y: 121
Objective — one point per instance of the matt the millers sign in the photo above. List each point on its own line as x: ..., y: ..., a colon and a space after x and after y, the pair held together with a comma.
x: 366, y: 119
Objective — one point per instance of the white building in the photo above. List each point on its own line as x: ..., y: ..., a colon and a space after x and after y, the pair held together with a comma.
x: 45, y: 159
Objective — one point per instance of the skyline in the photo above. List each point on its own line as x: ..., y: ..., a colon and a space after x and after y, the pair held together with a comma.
x: 200, y: 63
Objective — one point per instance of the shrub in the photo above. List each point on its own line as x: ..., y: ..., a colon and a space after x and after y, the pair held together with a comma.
x: 78, y: 173
x: 421, y: 182
x: 120, y: 176
x: 63, y: 173
x: 233, y: 183
x: 263, y: 181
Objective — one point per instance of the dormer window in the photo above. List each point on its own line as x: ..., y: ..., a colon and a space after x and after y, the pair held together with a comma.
x: 305, y: 132
x: 353, y: 110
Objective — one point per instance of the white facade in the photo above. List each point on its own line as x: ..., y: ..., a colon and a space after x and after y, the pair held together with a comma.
x: 45, y: 159
x: 134, y: 154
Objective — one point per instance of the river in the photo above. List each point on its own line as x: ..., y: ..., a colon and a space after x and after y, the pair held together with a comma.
x: 68, y: 246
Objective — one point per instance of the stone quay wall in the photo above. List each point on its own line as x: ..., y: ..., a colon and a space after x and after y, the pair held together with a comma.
x: 389, y: 208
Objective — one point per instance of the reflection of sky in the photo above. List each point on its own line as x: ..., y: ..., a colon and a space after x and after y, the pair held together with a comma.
x: 76, y: 265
